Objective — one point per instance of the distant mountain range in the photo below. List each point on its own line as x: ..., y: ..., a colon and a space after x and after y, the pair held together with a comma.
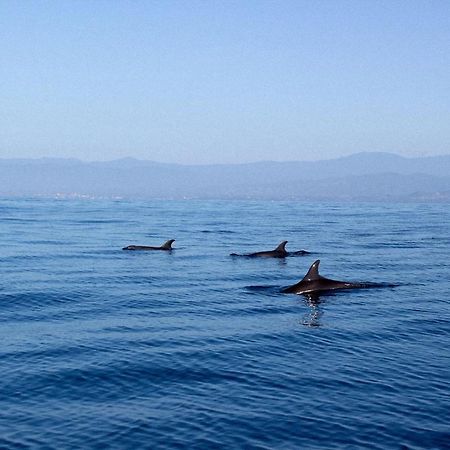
x: 359, y: 177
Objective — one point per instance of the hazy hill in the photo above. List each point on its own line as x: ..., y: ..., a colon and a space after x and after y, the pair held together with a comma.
x: 363, y: 176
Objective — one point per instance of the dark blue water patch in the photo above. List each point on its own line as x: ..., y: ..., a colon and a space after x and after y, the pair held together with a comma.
x: 242, y: 311
x: 436, y: 325
x: 18, y: 220
x: 13, y: 261
x: 98, y: 221
x: 48, y: 242
x: 270, y: 289
x: 218, y: 231
x: 37, y: 299
x: 43, y: 350
x: 378, y: 245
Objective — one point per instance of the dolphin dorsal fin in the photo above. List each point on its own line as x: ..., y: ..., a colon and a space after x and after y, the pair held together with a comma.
x: 313, y: 272
x: 281, y: 248
x: 168, y: 244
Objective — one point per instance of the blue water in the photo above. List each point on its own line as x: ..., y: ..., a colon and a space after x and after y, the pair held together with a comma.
x: 103, y: 348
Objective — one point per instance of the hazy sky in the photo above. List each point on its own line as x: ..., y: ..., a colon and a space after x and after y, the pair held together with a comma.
x: 223, y: 81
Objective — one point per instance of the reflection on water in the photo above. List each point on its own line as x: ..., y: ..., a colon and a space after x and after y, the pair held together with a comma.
x: 313, y: 316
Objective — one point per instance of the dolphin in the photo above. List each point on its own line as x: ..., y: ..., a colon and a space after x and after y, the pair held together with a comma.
x: 167, y: 246
x: 279, y: 252
x: 313, y: 283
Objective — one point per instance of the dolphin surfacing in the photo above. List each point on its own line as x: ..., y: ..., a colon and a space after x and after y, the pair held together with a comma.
x: 313, y: 283
x: 279, y: 252
x: 167, y: 246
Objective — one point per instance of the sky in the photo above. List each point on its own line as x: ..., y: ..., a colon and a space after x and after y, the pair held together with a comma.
x: 201, y: 82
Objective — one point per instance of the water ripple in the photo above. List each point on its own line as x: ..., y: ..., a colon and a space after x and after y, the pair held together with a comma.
x: 107, y: 349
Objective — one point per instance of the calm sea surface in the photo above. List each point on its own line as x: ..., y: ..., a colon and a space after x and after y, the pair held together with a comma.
x: 103, y: 348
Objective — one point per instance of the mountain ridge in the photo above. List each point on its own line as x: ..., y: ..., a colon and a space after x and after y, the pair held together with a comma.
x: 369, y: 176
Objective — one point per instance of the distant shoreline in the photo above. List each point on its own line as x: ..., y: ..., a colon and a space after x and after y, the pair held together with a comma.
x: 362, y: 177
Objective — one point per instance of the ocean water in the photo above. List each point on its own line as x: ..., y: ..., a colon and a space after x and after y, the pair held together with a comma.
x: 103, y: 348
